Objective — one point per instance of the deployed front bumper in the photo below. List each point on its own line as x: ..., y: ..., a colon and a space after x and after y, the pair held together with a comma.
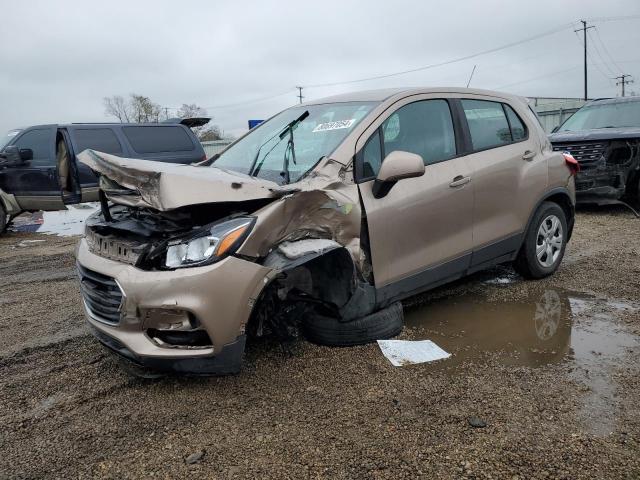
x: 219, y: 297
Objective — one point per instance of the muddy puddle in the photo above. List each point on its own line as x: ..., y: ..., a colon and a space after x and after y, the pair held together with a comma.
x: 546, y: 327
x: 63, y: 223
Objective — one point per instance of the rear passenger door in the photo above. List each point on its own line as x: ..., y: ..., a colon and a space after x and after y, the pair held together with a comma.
x: 420, y: 232
x: 509, y: 175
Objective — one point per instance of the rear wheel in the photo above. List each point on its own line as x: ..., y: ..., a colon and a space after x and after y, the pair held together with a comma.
x: 380, y: 325
x: 544, y: 243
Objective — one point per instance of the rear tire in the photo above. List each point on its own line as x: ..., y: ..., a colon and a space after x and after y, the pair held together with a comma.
x: 380, y: 325
x: 544, y: 243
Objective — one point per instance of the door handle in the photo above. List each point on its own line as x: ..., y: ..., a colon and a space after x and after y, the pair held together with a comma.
x: 528, y: 155
x: 459, y: 181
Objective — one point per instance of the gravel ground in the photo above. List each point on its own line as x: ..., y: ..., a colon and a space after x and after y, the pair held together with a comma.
x: 69, y: 410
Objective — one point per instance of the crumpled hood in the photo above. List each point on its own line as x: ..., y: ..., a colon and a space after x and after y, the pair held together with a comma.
x: 166, y: 186
x: 595, y: 134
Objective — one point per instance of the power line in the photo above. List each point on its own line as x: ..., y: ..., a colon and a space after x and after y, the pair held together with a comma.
x: 551, y: 74
x: 595, y: 64
x: 249, y: 102
x: 448, y: 62
x: 597, y: 50
x: 604, y: 47
x: 613, y: 19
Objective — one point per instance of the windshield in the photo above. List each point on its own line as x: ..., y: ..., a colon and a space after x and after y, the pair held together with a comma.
x: 8, y: 137
x: 292, y: 142
x: 604, y: 115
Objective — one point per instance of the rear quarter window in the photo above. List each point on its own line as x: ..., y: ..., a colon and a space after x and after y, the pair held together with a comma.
x: 99, y: 139
x: 151, y: 139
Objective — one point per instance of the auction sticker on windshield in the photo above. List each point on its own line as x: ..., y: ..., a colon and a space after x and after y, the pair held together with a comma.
x: 323, y: 127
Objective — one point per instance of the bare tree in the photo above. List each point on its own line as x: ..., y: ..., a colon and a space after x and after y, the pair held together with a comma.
x: 137, y: 109
x: 143, y: 109
x: 116, y: 106
x: 140, y: 109
x: 191, y: 110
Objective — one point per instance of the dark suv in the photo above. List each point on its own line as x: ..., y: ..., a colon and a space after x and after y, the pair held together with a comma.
x: 604, y: 136
x: 38, y: 168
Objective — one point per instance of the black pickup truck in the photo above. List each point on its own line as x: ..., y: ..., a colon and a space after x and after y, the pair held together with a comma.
x: 604, y: 137
x: 38, y: 168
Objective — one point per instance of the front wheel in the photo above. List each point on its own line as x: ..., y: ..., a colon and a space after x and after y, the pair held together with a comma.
x: 544, y: 243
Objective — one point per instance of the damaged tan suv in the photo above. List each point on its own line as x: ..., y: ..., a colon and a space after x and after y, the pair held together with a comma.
x: 319, y: 220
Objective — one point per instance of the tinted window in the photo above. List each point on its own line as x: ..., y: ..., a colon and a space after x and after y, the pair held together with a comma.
x: 424, y: 128
x: 158, y: 139
x: 372, y: 156
x: 518, y: 130
x: 99, y: 139
x: 41, y: 142
x: 487, y: 123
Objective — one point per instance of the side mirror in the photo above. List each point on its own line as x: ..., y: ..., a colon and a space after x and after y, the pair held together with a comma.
x: 396, y: 166
x: 12, y: 155
x: 555, y: 129
x: 26, y: 154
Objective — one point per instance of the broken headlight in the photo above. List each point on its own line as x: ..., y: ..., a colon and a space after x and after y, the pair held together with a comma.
x: 210, y: 245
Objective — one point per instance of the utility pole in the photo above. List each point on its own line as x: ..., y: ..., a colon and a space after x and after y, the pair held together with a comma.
x: 623, y: 82
x: 584, y: 32
x: 300, y: 97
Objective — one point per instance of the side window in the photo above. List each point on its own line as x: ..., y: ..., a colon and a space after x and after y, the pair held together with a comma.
x: 99, y: 139
x: 148, y: 139
x: 424, y: 128
x: 41, y: 142
x: 372, y: 156
x: 518, y: 130
x: 487, y: 123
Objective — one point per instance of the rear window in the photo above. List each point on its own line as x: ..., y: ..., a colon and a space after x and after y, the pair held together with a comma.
x: 99, y: 139
x: 148, y: 139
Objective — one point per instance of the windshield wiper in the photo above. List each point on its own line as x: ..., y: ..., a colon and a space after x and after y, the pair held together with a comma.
x: 255, y: 166
x: 290, y: 145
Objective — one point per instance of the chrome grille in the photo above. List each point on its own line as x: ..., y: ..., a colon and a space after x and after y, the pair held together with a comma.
x: 102, y: 295
x: 586, y: 153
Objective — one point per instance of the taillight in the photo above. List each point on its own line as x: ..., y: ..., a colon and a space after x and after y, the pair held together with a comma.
x: 572, y: 163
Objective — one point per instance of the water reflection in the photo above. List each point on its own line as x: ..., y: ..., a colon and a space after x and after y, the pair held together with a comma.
x: 550, y: 326
x: 532, y: 331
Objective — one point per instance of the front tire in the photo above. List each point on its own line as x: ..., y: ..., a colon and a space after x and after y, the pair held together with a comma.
x: 3, y: 218
x: 380, y: 325
x: 544, y: 243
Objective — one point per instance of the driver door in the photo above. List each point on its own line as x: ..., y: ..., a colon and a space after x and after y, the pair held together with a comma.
x: 420, y: 232
x: 35, y: 182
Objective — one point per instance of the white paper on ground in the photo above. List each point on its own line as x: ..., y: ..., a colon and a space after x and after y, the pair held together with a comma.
x: 406, y: 352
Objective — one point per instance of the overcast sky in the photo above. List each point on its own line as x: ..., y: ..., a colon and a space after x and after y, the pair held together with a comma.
x: 59, y: 59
